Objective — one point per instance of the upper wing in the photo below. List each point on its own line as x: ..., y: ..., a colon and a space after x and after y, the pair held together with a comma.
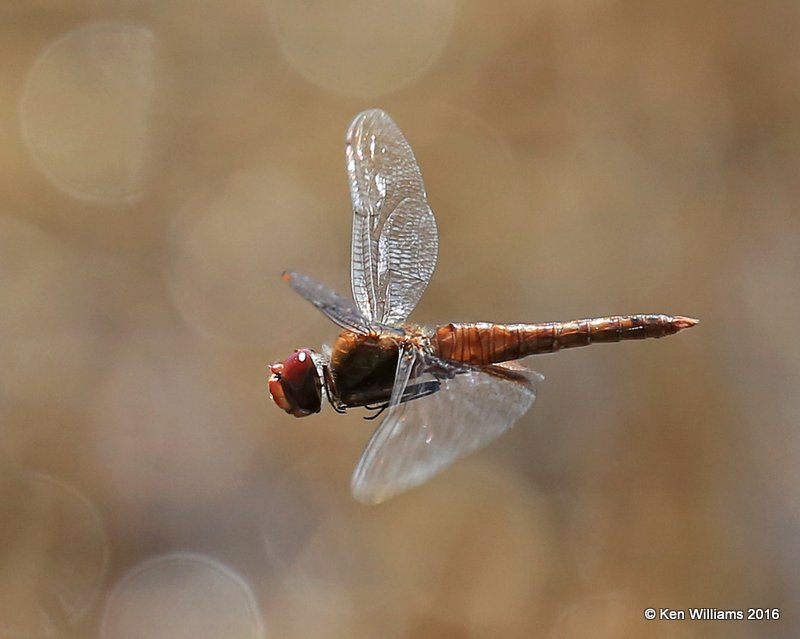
x: 333, y: 305
x: 395, y: 240
x: 421, y: 437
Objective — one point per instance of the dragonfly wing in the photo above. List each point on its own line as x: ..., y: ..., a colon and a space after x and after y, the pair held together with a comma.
x: 395, y: 240
x: 339, y: 309
x: 421, y: 437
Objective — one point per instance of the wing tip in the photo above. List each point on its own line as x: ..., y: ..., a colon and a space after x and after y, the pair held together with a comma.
x: 356, y: 123
x: 367, y: 500
x: 373, y: 112
x: 364, y: 496
x: 369, y: 492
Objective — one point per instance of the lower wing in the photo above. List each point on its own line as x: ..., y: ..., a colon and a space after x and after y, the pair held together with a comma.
x: 419, y: 438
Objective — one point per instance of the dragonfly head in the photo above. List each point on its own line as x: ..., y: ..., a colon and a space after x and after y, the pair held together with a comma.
x: 295, y: 384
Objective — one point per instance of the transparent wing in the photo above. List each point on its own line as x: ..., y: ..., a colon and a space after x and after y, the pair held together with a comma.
x: 421, y: 437
x: 395, y: 240
x: 339, y: 309
x: 406, y: 359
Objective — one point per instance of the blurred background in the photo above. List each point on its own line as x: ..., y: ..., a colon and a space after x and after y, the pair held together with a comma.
x: 161, y: 164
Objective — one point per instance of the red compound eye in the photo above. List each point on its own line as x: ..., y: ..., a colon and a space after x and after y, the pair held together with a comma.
x: 295, y: 384
x: 297, y: 368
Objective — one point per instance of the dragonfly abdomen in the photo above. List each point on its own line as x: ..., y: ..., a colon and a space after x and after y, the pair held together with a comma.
x: 482, y: 343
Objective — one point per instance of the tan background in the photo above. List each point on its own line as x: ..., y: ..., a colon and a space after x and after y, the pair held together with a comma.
x: 162, y: 162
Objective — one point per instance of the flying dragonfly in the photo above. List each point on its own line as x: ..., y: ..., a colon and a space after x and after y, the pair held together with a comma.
x: 446, y: 391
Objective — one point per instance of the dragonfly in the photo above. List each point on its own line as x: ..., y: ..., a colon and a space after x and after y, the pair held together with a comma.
x: 443, y: 392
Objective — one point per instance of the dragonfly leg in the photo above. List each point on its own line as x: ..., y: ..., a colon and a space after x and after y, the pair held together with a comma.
x: 336, y: 407
x: 330, y: 391
x: 415, y: 391
x: 380, y: 409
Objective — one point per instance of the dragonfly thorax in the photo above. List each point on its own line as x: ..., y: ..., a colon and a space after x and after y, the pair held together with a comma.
x: 295, y: 384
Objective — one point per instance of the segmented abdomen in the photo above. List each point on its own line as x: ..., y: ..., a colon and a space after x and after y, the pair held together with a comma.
x: 482, y: 343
